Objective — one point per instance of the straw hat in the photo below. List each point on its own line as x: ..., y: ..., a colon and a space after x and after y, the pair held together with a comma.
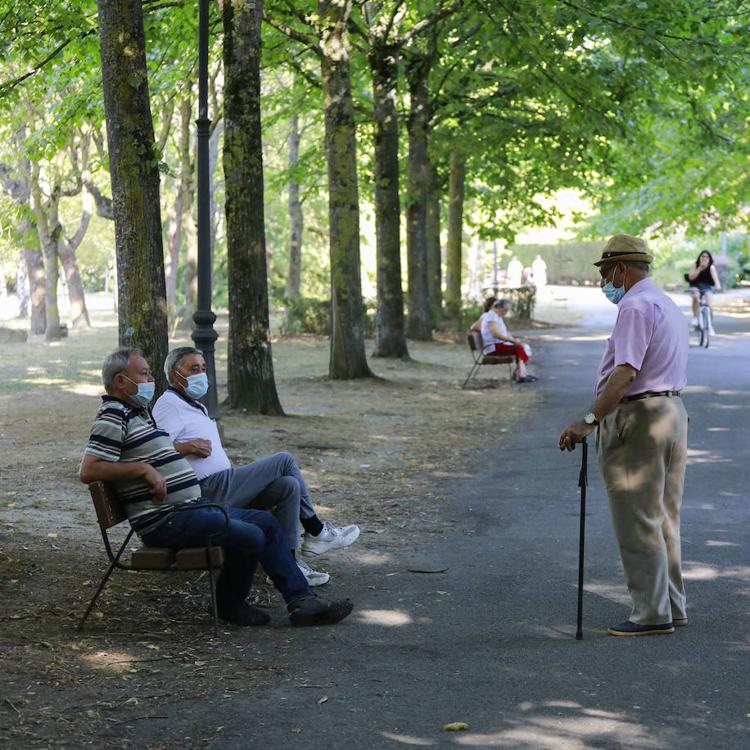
x: 624, y: 247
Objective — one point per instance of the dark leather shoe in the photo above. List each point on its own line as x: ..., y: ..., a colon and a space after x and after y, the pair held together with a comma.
x: 244, y: 615
x: 629, y: 628
x: 315, y: 611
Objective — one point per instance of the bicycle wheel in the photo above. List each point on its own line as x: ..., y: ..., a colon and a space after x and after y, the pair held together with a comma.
x: 705, y: 321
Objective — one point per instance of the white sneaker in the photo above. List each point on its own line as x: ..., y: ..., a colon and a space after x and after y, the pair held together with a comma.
x: 313, y: 577
x: 331, y: 537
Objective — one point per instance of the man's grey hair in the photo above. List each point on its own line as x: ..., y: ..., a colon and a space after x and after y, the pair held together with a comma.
x: 175, y: 357
x: 505, y: 303
x: 639, y: 264
x: 115, y: 363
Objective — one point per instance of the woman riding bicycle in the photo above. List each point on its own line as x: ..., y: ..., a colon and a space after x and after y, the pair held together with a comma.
x: 703, y: 279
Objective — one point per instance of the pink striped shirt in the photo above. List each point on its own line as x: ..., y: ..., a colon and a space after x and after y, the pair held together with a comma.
x: 650, y: 335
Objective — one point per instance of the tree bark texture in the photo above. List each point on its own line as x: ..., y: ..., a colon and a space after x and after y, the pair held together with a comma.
x: 49, y: 230
x: 66, y: 251
x: 347, y: 357
x: 296, y: 217
x: 419, y: 324
x: 251, y: 381
x: 455, y: 232
x: 434, y: 262
x: 35, y: 272
x: 390, y: 336
x: 183, y: 201
x: 16, y: 180
x: 134, y: 173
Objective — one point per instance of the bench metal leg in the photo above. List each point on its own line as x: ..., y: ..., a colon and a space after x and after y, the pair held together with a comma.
x: 212, y: 586
x: 103, y: 583
x: 473, y: 370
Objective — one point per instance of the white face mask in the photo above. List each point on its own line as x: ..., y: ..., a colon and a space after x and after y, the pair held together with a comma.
x: 145, y: 393
x: 196, y: 385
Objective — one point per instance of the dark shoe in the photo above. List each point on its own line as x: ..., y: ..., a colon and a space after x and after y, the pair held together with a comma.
x: 633, y: 628
x: 526, y: 379
x: 315, y: 611
x: 679, y: 622
x: 245, y: 614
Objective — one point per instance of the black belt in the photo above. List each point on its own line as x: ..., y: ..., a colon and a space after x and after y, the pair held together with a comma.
x: 650, y: 394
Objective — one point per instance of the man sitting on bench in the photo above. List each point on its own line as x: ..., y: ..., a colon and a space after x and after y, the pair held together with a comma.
x: 271, y: 482
x: 152, y: 481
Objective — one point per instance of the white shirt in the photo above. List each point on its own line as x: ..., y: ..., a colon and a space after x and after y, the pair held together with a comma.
x: 488, y: 338
x: 185, y: 419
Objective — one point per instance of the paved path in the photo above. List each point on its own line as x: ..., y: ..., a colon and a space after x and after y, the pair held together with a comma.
x: 490, y: 641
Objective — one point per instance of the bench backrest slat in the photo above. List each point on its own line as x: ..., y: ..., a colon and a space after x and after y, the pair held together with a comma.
x: 109, y: 511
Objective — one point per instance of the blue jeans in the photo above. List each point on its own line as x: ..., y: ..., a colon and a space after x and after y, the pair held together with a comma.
x: 252, y: 537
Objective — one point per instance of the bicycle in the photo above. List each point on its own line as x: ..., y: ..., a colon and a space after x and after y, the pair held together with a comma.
x: 703, y: 328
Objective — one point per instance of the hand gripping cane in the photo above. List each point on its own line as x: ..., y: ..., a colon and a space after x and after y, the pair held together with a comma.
x: 582, y: 481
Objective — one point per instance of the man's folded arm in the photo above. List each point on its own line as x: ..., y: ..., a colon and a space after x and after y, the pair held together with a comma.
x: 95, y: 469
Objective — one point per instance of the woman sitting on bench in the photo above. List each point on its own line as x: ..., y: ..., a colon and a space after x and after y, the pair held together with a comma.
x: 497, y: 340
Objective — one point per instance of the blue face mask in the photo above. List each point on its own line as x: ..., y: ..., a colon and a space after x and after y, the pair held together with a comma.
x: 145, y: 394
x: 613, y: 293
x: 197, y: 385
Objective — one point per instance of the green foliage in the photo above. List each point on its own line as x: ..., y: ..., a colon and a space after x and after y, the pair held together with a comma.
x: 642, y: 105
x: 307, y: 315
x: 313, y: 316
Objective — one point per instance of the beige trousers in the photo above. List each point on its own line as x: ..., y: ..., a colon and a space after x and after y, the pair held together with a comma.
x: 642, y: 453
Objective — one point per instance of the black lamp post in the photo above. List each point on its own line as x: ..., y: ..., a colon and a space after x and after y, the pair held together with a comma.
x: 204, y: 334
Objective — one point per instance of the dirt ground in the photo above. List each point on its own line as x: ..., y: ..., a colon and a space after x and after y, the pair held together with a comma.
x: 375, y: 452
x: 380, y: 453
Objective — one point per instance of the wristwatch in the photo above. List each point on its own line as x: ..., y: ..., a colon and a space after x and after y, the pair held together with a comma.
x: 591, y: 419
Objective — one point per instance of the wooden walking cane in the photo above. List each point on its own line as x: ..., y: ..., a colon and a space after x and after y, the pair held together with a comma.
x: 582, y: 481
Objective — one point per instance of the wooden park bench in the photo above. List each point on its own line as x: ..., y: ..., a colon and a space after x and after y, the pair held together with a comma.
x: 109, y: 513
x: 474, y: 339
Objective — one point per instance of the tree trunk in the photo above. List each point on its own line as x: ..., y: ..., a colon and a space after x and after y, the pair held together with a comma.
x: 213, y: 159
x: 184, y: 189
x: 19, y: 189
x: 251, y: 381
x: 22, y: 289
x: 142, y: 304
x: 66, y: 250
x: 191, y: 268
x: 390, y: 337
x: 418, y: 184
x: 434, y: 264
x: 296, y: 218
x: 52, y: 330
x: 455, y: 232
x: 35, y: 271
x: 347, y: 358
x: 49, y: 229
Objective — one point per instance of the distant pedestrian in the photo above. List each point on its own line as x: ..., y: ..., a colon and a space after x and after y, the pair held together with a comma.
x: 539, y: 272
x: 515, y: 272
x: 642, y: 435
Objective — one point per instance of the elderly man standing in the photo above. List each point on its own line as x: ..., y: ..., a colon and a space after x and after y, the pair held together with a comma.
x: 153, y: 482
x: 271, y: 482
x: 642, y: 435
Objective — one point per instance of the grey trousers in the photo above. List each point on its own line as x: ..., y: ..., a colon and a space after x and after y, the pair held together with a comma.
x: 272, y: 482
x: 642, y: 455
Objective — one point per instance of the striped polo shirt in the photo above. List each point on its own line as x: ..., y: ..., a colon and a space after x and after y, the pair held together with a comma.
x: 122, y: 432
